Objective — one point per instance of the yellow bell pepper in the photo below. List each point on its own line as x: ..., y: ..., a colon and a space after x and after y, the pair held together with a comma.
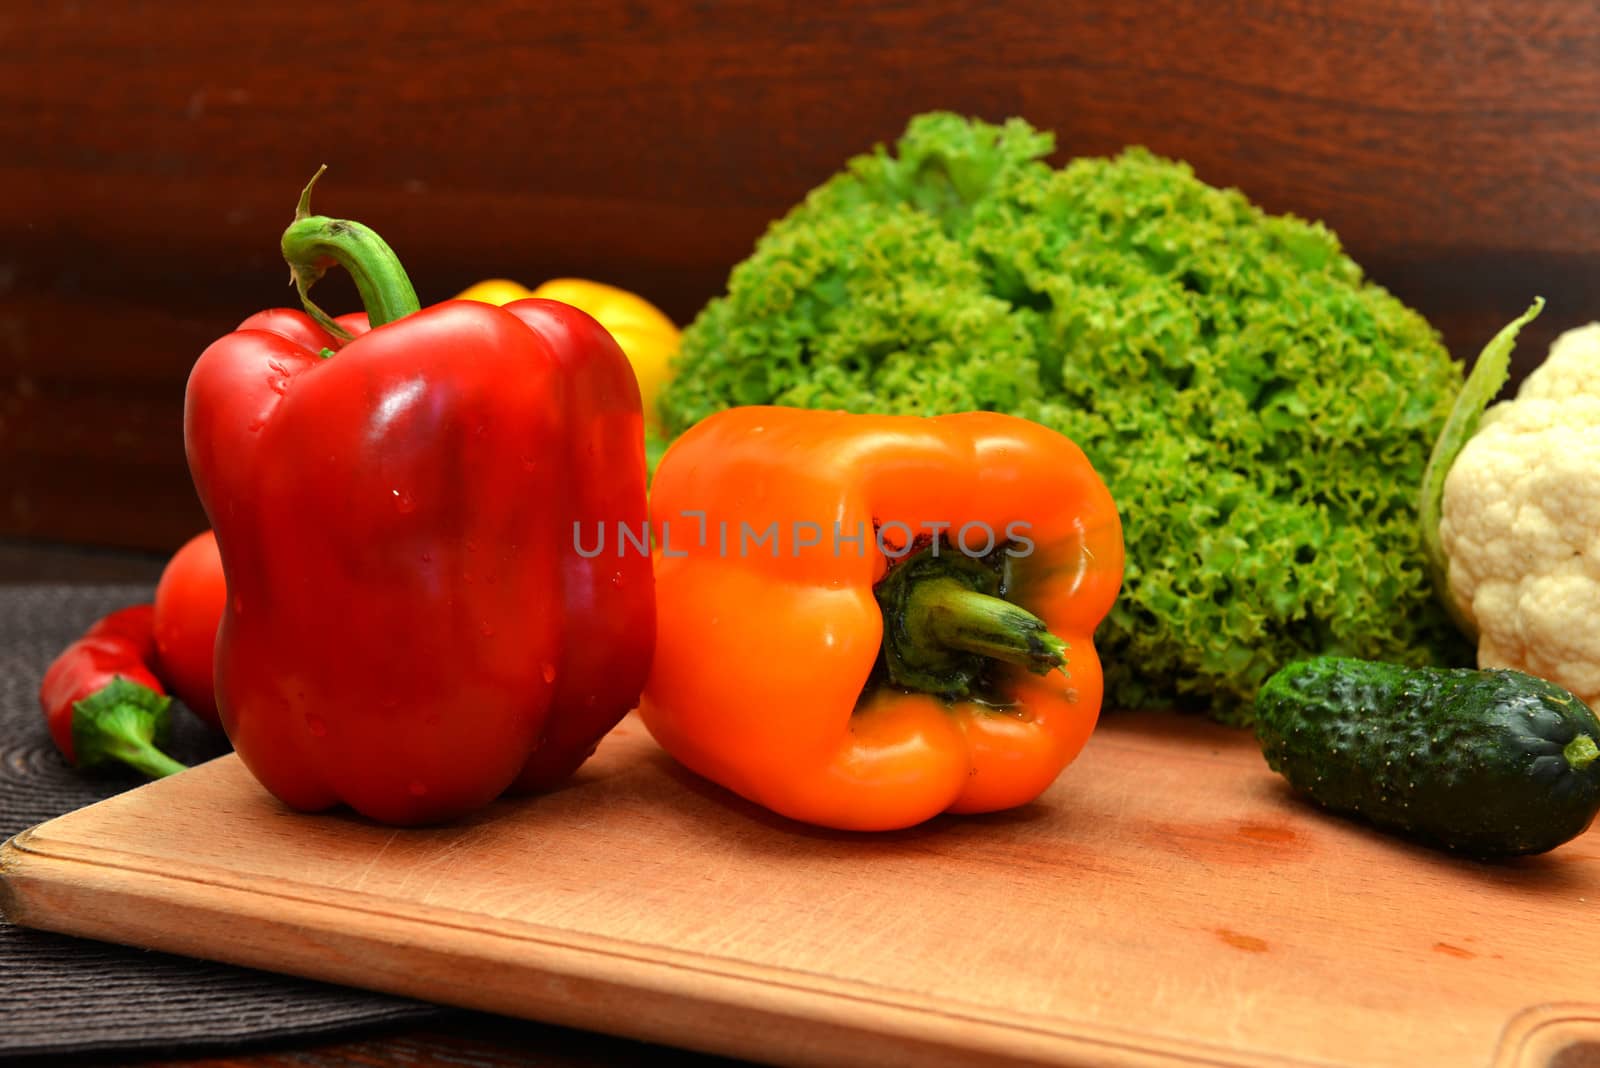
x: 646, y: 335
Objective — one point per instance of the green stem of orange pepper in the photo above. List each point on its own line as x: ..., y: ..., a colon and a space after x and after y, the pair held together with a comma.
x: 944, y: 619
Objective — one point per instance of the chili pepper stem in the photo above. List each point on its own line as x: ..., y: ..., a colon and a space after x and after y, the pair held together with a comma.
x: 313, y: 243
x: 123, y: 723
x: 944, y: 622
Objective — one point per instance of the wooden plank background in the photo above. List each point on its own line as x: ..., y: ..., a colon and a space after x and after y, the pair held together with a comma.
x: 153, y: 153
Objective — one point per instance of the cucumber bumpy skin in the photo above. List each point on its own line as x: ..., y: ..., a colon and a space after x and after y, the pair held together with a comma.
x: 1486, y: 763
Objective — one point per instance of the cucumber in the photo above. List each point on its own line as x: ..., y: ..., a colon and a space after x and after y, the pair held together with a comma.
x: 1486, y: 763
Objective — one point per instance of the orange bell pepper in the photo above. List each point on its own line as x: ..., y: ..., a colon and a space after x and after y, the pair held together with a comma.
x: 870, y: 620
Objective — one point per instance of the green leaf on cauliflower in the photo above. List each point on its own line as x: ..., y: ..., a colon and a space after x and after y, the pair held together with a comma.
x: 1488, y: 376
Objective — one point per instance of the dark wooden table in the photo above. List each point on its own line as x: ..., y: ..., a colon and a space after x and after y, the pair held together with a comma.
x: 471, y: 1041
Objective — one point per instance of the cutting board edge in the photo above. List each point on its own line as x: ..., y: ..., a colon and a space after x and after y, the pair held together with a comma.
x: 1543, y: 1035
x: 766, y: 1019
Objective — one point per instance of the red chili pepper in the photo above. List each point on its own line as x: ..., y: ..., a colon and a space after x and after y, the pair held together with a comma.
x: 101, y: 701
x: 409, y: 628
x: 189, y: 602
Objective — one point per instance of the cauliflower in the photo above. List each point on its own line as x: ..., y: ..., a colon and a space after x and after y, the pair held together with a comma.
x: 1520, y: 523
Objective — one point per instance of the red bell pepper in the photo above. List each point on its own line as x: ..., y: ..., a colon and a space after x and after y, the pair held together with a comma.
x: 409, y: 628
x: 101, y: 701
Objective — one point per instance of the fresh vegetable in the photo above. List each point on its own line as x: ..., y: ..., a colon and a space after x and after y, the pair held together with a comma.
x: 1230, y: 372
x: 872, y: 620
x: 101, y: 701
x: 189, y: 601
x: 645, y: 333
x: 408, y: 629
x: 1490, y: 763
x: 1511, y: 512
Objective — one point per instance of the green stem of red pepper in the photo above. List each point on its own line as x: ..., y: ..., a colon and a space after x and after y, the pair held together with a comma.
x: 123, y: 722
x: 313, y: 243
x: 944, y: 619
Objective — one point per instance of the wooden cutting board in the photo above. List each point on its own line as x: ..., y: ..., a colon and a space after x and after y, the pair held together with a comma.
x: 1168, y: 902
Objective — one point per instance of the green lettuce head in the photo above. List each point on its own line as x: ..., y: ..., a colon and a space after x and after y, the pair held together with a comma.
x: 1260, y: 412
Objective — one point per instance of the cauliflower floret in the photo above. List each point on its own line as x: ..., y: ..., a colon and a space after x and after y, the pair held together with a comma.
x: 1521, y: 522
